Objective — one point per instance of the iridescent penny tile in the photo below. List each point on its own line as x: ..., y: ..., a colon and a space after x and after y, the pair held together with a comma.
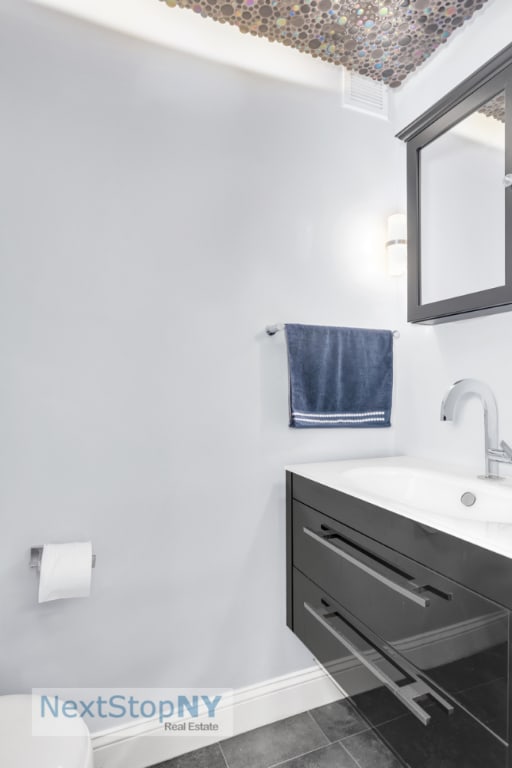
x: 344, y: 32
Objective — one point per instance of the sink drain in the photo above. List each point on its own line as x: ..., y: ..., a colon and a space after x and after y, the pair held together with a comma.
x: 468, y: 499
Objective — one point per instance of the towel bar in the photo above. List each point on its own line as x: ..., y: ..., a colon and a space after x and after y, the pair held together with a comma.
x: 271, y: 330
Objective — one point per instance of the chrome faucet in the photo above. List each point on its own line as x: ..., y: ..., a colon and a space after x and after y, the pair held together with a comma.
x: 494, y: 455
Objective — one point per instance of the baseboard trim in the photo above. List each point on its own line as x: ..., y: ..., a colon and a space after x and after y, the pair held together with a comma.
x: 140, y: 746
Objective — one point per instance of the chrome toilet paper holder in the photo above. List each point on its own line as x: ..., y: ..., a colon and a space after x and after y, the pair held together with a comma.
x: 36, y: 554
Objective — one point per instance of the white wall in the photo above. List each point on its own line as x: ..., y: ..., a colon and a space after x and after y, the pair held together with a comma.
x: 157, y: 212
x: 184, y: 30
x: 439, y: 355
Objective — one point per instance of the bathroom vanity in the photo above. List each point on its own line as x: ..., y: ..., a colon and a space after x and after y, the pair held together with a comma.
x: 403, y: 593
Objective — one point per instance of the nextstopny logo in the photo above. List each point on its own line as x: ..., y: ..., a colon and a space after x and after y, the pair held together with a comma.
x: 173, y: 710
x: 120, y: 706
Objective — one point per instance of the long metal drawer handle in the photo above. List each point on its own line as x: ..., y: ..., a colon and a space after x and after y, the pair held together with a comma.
x: 406, y: 693
x: 405, y: 591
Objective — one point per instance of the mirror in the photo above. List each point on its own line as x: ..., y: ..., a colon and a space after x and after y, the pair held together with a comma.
x: 459, y: 199
x: 463, y: 206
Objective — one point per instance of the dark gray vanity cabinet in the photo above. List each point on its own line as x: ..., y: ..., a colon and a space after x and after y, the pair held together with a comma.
x: 413, y: 625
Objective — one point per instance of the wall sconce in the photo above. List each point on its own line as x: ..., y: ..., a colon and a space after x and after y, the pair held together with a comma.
x: 396, y: 244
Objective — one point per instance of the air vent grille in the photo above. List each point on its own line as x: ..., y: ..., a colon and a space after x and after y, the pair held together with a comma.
x: 364, y: 94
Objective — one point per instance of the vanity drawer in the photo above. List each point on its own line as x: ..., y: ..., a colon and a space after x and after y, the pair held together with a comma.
x: 457, y: 638
x: 424, y: 727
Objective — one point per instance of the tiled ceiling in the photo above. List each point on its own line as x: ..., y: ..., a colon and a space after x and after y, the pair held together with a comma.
x: 495, y: 107
x: 382, y: 40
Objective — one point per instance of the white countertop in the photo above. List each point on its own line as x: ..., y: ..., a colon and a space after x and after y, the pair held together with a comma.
x: 427, y: 492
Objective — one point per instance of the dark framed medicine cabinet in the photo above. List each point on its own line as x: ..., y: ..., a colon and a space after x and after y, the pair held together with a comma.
x: 459, y: 199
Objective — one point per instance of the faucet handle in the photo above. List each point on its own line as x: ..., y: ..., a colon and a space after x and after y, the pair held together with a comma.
x: 507, y: 450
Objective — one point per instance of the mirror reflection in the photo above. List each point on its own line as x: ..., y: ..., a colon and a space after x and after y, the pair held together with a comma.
x: 463, y: 206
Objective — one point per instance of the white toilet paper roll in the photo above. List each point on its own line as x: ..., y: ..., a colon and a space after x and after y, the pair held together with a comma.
x: 65, y: 571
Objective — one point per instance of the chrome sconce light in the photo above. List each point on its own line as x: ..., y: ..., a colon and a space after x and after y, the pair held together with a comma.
x: 396, y: 245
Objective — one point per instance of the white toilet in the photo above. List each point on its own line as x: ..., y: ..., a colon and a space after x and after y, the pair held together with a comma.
x: 50, y: 742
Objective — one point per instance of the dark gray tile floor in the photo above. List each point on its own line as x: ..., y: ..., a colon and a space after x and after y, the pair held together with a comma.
x: 334, y: 736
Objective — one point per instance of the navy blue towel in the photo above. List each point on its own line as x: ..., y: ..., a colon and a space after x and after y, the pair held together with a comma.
x: 339, y: 377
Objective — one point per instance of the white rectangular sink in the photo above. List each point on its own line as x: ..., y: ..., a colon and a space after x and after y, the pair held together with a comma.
x: 427, y: 492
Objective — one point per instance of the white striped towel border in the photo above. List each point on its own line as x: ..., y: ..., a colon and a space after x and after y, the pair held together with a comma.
x: 339, y: 418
